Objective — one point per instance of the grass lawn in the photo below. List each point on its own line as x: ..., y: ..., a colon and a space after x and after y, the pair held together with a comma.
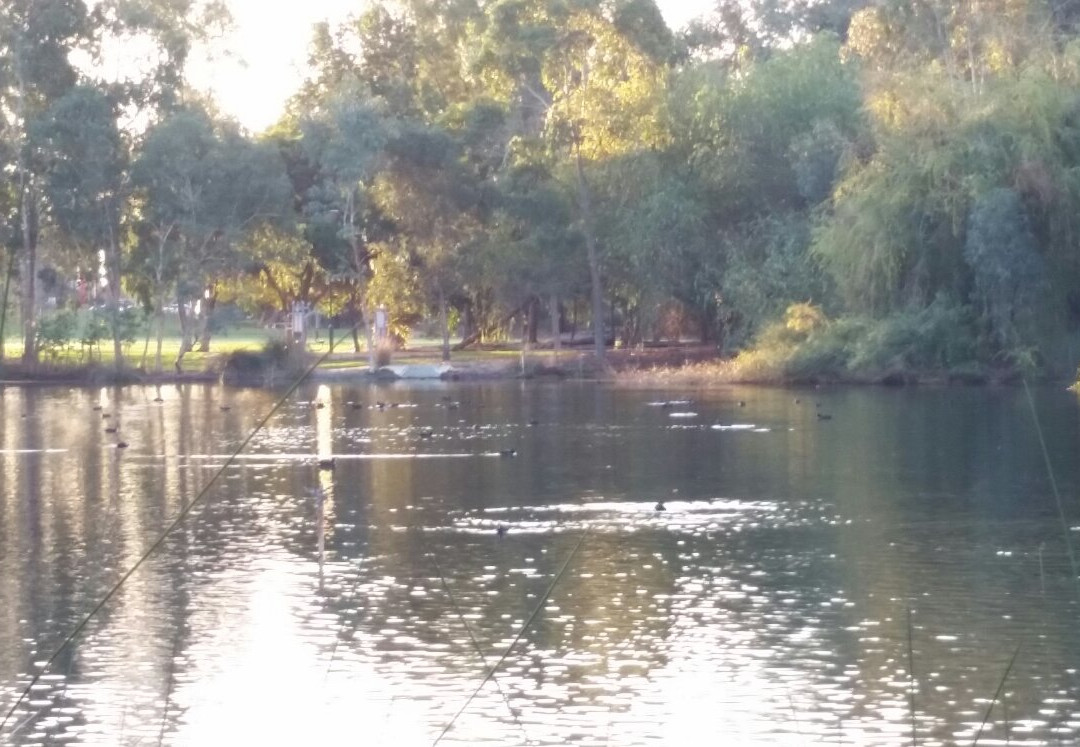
x: 250, y: 337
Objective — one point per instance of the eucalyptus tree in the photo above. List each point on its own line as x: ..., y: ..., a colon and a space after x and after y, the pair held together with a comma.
x: 341, y: 139
x: 436, y: 208
x: 534, y: 252
x: 36, y: 41
x: 155, y: 83
x: 588, y: 81
x: 656, y: 222
x: 761, y: 149
x: 84, y: 179
x: 201, y: 187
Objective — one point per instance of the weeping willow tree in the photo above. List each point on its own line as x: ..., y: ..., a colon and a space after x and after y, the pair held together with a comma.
x: 987, y: 110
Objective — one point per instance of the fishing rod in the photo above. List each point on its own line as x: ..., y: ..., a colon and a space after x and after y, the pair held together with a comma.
x: 524, y: 628
x: 184, y: 512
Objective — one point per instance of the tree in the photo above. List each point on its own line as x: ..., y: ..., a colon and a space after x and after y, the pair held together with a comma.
x: 36, y: 37
x: 85, y: 184
x: 202, y: 186
x: 593, y: 91
x: 339, y: 146
x: 435, y: 207
x: 1010, y: 275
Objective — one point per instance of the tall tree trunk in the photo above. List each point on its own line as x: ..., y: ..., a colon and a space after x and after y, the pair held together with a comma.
x: 159, y: 293
x: 207, y: 309
x: 556, y: 329
x: 27, y: 223
x: 112, y: 276
x: 145, y: 349
x: 468, y: 325
x: 186, y: 336
x: 4, y: 301
x: 532, y: 318
x: 159, y: 320
x: 28, y: 279
x: 444, y: 325
x: 585, y: 205
x: 366, y: 318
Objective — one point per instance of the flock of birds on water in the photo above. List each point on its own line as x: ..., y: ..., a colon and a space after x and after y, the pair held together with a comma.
x: 427, y: 433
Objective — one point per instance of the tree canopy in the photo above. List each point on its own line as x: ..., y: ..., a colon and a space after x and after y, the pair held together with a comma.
x: 480, y: 161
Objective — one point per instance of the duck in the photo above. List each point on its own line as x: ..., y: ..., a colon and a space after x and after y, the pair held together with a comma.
x: 225, y: 408
x: 326, y: 464
x: 824, y: 416
x: 320, y: 405
x: 111, y: 429
x: 158, y: 399
x: 427, y: 433
x: 501, y: 530
x: 660, y: 506
x: 98, y: 408
x: 508, y: 452
x: 121, y: 444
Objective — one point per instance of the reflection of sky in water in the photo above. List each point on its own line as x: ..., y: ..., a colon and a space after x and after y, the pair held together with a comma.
x: 766, y: 604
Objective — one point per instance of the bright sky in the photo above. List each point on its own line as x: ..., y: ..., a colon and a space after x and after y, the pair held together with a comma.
x: 269, y: 52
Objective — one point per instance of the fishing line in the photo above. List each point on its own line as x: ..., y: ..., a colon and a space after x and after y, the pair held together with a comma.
x: 997, y: 693
x: 170, y: 685
x: 517, y: 638
x: 1053, y: 486
x: 341, y: 628
x: 181, y: 516
x: 476, y: 644
x: 912, y: 682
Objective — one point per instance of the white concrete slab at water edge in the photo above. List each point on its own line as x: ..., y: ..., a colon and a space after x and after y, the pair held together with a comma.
x: 418, y: 371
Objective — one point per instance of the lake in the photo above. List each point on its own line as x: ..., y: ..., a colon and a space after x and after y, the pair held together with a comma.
x: 833, y: 566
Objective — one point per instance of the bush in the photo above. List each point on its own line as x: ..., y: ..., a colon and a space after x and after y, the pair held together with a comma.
x: 260, y: 368
x: 56, y: 331
x: 806, y: 345
x: 383, y: 355
x: 937, y: 337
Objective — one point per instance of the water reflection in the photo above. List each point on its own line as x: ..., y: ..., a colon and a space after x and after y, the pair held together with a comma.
x: 771, y: 602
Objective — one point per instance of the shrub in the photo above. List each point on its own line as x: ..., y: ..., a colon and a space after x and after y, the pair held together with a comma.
x: 936, y: 337
x: 383, y: 354
x: 56, y: 331
x: 260, y: 368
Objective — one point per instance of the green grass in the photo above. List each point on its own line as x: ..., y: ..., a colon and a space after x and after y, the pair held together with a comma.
x: 250, y: 337
x: 77, y: 355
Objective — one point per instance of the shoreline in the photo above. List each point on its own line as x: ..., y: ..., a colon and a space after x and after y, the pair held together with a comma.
x: 674, y: 367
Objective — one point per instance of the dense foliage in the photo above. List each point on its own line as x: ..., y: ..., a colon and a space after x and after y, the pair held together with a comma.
x: 905, y: 173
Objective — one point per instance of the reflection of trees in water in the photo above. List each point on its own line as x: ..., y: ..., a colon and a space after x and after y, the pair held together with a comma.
x: 775, y: 599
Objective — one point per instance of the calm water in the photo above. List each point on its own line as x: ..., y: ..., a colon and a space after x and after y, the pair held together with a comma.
x: 803, y: 568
